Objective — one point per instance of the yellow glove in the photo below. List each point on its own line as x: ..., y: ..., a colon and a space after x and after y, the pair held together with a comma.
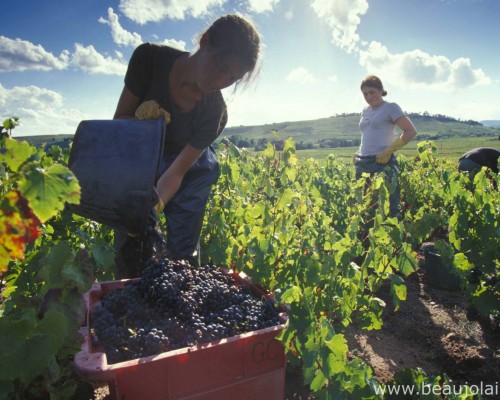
x: 385, y: 155
x: 151, y: 110
x: 159, y: 206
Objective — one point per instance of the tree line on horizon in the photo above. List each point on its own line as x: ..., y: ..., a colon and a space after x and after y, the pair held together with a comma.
x: 425, y: 116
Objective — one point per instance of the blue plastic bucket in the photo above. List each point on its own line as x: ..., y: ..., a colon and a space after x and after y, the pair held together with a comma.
x: 116, y: 163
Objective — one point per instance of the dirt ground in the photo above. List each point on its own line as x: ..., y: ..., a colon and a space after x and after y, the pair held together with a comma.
x: 432, y: 330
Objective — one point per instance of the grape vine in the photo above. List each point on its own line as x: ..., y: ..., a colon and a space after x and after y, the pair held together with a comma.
x: 303, y: 229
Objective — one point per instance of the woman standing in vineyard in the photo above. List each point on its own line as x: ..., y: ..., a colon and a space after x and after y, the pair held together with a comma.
x: 184, y: 88
x: 378, y: 137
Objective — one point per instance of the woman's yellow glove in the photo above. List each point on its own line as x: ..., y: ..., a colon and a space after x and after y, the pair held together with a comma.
x: 385, y: 155
x: 159, y: 206
x: 151, y: 110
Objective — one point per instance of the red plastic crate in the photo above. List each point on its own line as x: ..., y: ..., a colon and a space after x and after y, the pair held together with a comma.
x: 250, y: 366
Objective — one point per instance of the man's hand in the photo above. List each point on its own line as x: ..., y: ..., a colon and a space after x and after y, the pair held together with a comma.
x: 151, y: 110
x: 384, y: 156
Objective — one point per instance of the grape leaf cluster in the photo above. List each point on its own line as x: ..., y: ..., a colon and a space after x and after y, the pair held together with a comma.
x: 176, y: 305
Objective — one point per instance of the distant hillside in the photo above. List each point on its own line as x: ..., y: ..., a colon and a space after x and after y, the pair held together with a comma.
x: 494, y: 123
x: 343, y: 131
x: 47, y: 140
x: 337, y: 131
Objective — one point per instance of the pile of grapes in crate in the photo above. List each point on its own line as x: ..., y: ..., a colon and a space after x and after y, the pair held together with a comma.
x: 175, y: 305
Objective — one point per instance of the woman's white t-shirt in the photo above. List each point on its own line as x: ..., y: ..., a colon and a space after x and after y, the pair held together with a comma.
x: 377, y: 127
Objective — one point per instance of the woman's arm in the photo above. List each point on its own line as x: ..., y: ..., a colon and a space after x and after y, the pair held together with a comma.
x: 171, y: 179
x: 127, y: 104
x: 409, y: 132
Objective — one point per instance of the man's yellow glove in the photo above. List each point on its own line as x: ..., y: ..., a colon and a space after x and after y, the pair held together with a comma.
x: 151, y: 110
x: 385, y: 155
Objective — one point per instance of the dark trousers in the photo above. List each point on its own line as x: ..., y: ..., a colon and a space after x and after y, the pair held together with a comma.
x: 184, y: 212
x: 391, y: 171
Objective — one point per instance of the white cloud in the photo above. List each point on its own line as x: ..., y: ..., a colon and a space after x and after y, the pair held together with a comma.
x: 89, y: 60
x: 481, y: 110
x: 420, y: 69
x: 463, y: 75
x: 41, y: 111
x: 343, y: 17
x: 21, y: 55
x: 120, y: 36
x: 260, y: 6
x: 300, y: 75
x: 178, y: 44
x: 144, y: 11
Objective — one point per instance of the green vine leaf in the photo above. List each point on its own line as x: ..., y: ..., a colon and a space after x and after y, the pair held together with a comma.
x: 55, y: 265
x: 48, y: 190
x: 25, y: 339
x: 292, y: 295
x: 15, y: 153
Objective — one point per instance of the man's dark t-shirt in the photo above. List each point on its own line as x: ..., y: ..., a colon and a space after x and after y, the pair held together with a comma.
x: 147, y: 78
x: 484, y: 156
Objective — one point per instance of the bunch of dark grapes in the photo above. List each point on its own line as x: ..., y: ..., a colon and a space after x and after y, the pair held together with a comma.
x: 175, y: 305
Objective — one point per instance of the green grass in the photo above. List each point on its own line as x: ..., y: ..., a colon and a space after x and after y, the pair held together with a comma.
x: 451, y: 148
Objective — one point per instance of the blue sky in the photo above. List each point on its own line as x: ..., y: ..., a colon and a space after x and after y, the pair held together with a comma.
x: 64, y: 61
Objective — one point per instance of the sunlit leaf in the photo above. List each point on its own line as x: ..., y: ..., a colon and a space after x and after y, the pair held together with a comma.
x: 337, y: 345
x: 48, y: 191
x: 291, y: 295
x: 16, y: 153
x: 319, y: 381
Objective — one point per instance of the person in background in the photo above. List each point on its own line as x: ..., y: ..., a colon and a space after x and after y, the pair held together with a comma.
x: 378, y: 136
x: 475, y: 159
x: 185, y: 89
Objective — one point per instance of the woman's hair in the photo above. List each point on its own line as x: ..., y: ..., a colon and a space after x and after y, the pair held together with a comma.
x: 373, y: 82
x: 233, y: 35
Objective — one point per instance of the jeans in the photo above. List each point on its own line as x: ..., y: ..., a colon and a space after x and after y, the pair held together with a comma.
x: 367, y: 164
x: 186, y: 210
